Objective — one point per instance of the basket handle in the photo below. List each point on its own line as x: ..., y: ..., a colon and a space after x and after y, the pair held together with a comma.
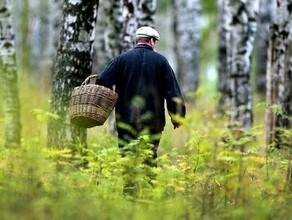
x: 87, y: 80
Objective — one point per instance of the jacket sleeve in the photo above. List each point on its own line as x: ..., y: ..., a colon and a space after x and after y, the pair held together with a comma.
x: 107, y: 77
x: 172, y: 94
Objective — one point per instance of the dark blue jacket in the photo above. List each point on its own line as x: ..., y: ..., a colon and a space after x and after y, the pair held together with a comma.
x: 143, y: 79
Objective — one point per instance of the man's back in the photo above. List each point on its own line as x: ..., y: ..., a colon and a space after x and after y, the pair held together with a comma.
x: 139, y: 76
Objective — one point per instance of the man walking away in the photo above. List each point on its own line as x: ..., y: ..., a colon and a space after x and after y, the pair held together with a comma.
x: 144, y: 80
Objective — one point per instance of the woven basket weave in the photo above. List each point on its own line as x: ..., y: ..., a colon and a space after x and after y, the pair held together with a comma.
x: 91, y: 104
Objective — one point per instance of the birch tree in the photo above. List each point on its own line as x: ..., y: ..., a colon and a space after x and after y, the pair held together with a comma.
x: 100, y: 59
x: 114, y: 23
x: 187, y: 36
x: 50, y: 34
x: 242, y: 33
x: 73, y: 64
x: 24, y: 26
x: 108, y: 33
x: 136, y: 13
x: 9, y: 77
x: 262, y: 38
x: 285, y: 120
x: 279, y: 76
x: 223, y: 19
x: 37, y: 34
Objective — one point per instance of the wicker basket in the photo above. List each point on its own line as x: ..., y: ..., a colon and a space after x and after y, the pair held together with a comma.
x: 91, y: 104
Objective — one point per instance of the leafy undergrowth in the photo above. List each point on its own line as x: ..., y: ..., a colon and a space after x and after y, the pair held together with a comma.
x: 202, y: 180
x: 204, y: 171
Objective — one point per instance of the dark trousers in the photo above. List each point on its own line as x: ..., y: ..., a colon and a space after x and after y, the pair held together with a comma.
x: 125, y: 136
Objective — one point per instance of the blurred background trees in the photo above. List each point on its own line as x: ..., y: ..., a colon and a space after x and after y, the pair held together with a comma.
x: 265, y: 16
x: 201, y: 175
x: 279, y: 77
x: 187, y: 37
x: 242, y: 26
x: 221, y: 46
x: 9, y: 77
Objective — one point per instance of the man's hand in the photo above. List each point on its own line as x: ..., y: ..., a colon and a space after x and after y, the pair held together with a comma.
x: 176, y: 125
x: 176, y: 121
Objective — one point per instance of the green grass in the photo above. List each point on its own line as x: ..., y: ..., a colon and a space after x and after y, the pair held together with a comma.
x: 201, y: 173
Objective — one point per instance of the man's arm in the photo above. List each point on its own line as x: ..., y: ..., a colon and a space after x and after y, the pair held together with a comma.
x: 174, y: 99
x: 107, y: 77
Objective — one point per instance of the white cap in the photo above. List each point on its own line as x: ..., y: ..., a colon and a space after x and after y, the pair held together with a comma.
x: 147, y: 32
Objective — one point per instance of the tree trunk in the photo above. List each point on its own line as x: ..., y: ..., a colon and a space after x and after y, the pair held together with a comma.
x: 284, y: 120
x: 286, y: 92
x: 108, y: 34
x: 243, y: 28
x: 9, y: 76
x: 262, y: 38
x: 186, y: 27
x: 113, y: 36
x: 100, y: 60
x: 136, y: 13
x: 73, y: 65
x: 279, y: 76
x: 114, y: 22
x: 224, y: 89
x: 52, y: 22
x: 25, y: 48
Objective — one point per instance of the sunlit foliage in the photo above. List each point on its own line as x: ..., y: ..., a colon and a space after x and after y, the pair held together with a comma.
x: 202, y: 172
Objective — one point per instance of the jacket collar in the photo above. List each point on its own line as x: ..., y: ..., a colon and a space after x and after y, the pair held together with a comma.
x: 143, y: 46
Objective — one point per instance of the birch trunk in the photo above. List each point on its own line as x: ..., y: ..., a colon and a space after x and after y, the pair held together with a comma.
x: 51, y: 35
x: 186, y: 29
x: 114, y: 22
x: 287, y: 106
x: 136, y: 13
x: 9, y: 78
x: 99, y: 53
x: 279, y: 79
x: 108, y: 34
x: 262, y: 38
x: 224, y: 90
x: 73, y: 65
x: 284, y: 120
x: 25, y: 34
x: 243, y: 27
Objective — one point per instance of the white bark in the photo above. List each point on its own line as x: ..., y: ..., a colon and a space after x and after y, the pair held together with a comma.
x: 279, y: 74
x: 262, y: 37
x: 279, y: 79
x: 107, y: 43
x: 73, y: 65
x: 243, y: 27
x: 136, y: 13
x: 9, y: 76
x: 223, y: 18
x: 187, y: 41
